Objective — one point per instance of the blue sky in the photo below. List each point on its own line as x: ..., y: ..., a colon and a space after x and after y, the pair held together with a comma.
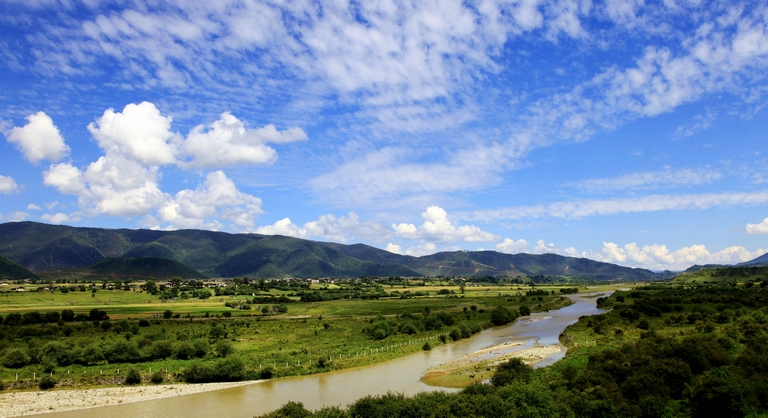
x: 625, y: 131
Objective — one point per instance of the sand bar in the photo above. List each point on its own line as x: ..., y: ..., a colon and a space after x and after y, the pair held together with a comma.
x: 17, y: 404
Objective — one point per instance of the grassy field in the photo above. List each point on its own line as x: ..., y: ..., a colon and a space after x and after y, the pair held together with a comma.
x: 311, y: 337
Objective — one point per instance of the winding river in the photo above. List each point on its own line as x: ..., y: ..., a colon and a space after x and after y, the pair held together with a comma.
x: 343, y: 387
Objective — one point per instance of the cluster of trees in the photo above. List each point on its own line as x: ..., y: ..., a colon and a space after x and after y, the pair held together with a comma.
x: 720, y: 371
x: 14, y: 319
x: 337, y: 294
x: 407, y: 323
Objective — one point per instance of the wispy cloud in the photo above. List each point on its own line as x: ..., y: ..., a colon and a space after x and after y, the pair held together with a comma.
x: 651, y: 180
x: 650, y: 203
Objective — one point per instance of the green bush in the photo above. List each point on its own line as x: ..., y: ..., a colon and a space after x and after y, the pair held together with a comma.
x: 157, y: 377
x: 525, y: 311
x: 513, y: 370
x: 15, y: 359
x: 133, y: 377
x: 46, y: 382
x: 427, y: 346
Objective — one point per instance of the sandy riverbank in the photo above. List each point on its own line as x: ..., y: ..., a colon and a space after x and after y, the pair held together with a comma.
x: 481, y: 364
x: 40, y: 402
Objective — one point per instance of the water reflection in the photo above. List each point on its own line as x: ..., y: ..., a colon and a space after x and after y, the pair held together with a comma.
x: 345, y: 386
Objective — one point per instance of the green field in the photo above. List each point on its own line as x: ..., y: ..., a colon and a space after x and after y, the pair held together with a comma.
x: 305, y: 338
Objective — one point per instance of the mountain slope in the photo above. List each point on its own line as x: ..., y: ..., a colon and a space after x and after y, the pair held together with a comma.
x: 759, y: 261
x: 159, y: 268
x: 41, y: 247
x: 11, y: 270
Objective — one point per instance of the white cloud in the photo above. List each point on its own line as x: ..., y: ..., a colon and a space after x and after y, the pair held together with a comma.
x: 426, y: 248
x: 58, y: 218
x: 761, y: 228
x: 659, y: 257
x: 329, y: 228
x: 394, y: 248
x: 8, y: 185
x: 227, y: 142
x: 650, y: 203
x: 283, y: 227
x: 39, y: 139
x: 511, y: 246
x: 33, y: 206
x: 215, y: 200
x: 388, y: 173
x: 15, y: 217
x: 437, y: 228
x: 65, y: 177
x: 652, y: 179
x: 139, y: 133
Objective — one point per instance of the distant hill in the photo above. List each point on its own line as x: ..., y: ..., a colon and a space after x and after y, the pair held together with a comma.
x: 160, y: 268
x: 724, y: 274
x: 492, y: 263
x: 11, y: 270
x: 41, y: 247
x: 759, y: 261
x: 696, y: 267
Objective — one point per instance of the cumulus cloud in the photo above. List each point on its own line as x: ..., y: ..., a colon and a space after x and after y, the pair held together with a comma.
x: 58, y: 218
x: 330, y: 228
x: 437, y: 228
x: 659, y: 257
x: 426, y: 248
x: 33, y: 206
x: 139, y: 133
x: 651, y: 179
x: 650, y: 203
x: 511, y: 246
x: 39, y: 139
x: 215, y: 200
x: 227, y: 142
x: 761, y: 228
x: 8, y: 185
x: 137, y: 142
x: 14, y: 217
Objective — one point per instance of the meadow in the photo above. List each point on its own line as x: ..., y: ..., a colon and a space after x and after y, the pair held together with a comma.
x: 234, y: 337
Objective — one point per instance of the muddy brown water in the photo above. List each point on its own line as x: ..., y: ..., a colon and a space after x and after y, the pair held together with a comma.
x: 342, y: 387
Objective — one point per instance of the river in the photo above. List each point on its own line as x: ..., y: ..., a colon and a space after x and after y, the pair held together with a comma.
x: 343, y: 387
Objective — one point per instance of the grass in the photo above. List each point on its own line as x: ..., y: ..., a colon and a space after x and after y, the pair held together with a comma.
x: 289, y: 344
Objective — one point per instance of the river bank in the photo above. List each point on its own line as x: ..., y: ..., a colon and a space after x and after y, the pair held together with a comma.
x: 17, y: 404
x: 481, y: 364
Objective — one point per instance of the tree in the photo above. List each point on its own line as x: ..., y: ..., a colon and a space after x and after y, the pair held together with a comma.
x: 150, y: 286
x: 525, y: 311
x: 68, y: 315
x: 514, y: 369
x: 167, y: 314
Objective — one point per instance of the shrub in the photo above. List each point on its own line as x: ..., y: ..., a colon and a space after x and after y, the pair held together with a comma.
x: 46, y: 382
x: 185, y: 351
x: 167, y: 314
x: 133, y: 377
x: 266, y: 373
x: 201, y: 347
x: 56, y: 353
x: 15, y: 359
x: 502, y: 316
x: 143, y: 322
x: 514, y: 369
x: 455, y: 334
x: 525, y: 311
x: 157, y: 377
x: 162, y: 349
x: 224, y: 348
x: 427, y: 346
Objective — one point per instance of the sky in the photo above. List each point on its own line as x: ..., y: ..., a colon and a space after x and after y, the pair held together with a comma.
x: 626, y: 131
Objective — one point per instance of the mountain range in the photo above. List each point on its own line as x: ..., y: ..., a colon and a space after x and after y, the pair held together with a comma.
x: 40, y: 247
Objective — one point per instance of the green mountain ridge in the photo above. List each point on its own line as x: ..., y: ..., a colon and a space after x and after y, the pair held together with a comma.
x: 11, y: 270
x: 160, y: 268
x: 40, y: 247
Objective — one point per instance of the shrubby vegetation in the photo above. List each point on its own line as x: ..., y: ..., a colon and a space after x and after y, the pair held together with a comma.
x: 662, y: 352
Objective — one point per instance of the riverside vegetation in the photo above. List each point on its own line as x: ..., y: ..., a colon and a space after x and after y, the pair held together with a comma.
x: 659, y: 351
x: 87, y: 334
